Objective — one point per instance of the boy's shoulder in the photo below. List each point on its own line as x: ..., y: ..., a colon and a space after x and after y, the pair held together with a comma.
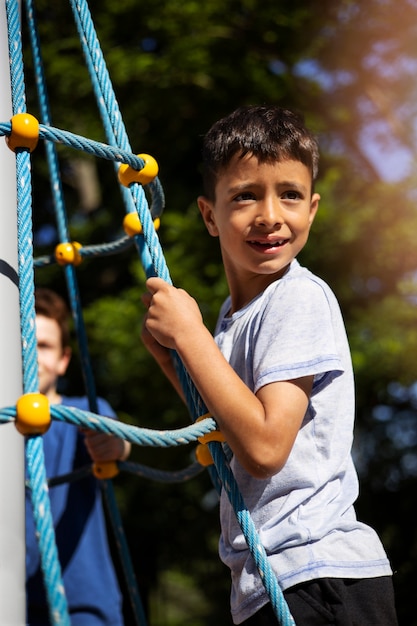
x: 81, y: 402
x: 298, y: 292
x: 298, y: 295
x: 301, y: 280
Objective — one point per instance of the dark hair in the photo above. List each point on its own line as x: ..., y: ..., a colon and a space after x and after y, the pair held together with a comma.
x: 267, y: 132
x: 50, y: 304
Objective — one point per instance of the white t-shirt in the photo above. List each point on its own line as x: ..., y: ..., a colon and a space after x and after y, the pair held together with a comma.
x: 304, y: 514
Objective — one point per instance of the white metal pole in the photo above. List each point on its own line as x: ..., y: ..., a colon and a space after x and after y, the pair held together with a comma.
x: 12, y: 516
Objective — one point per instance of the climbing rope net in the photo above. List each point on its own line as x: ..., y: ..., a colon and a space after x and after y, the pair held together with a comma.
x: 32, y: 413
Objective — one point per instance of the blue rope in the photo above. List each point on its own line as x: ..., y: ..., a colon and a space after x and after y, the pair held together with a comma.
x: 105, y: 93
x: 59, y: 204
x: 97, y: 250
x: 116, y: 522
x: 160, y: 476
x: 139, y: 436
x: 134, y: 434
x: 116, y: 134
x: 83, y: 144
x: 148, y: 247
x: 72, y: 285
x: 256, y: 548
x: 34, y: 447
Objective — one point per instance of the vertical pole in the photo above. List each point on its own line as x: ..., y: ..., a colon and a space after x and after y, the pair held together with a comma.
x: 12, y: 517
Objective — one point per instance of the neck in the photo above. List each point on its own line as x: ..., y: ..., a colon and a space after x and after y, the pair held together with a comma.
x: 54, y: 397
x: 243, y: 292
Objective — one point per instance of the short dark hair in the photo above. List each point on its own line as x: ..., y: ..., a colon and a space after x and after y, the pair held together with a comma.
x: 269, y: 133
x: 49, y: 304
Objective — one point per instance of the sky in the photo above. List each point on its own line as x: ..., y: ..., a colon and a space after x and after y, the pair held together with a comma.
x: 391, y: 160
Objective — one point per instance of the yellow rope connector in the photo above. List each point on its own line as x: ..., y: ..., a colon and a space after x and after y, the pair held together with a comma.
x: 203, y: 455
x: 202, y: 452
x: 127, y: 175
x: 33, y: 416
x: 214, y: 435
x: 24, y: 133
x: 132, y: 225
x: 68, y: 253
x: 108, y: 469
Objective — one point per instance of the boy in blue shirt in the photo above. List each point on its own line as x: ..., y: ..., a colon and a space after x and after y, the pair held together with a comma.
x: 90, y: 582
x: 277, y: 377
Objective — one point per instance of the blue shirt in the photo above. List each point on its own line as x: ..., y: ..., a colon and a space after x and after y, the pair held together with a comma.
x: 304, y: 514
x: 90, y: 582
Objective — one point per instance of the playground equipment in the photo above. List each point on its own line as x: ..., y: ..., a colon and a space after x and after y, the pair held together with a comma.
x: 31, y: 412
x: 12, y: 547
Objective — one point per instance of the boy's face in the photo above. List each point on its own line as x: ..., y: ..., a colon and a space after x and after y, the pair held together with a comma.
x: 262, y: 215
x: 52, y: 358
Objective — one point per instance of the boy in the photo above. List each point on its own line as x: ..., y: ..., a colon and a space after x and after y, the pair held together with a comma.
x: 278, y: 380
x: 90, y: 581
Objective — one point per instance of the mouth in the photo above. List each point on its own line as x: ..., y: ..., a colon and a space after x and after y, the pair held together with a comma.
x: 268, y: 246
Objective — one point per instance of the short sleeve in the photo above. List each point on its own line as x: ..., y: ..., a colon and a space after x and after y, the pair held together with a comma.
x: 296, y: 335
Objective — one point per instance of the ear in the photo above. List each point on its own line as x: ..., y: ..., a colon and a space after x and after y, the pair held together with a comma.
x: 64, y: 361
x: 314, y: 205
x: 206, y: 209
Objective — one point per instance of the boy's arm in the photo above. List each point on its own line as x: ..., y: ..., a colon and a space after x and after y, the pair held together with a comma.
x: 260, y: 429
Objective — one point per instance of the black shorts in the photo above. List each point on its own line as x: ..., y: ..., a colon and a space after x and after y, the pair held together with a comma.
x: 336, y: 602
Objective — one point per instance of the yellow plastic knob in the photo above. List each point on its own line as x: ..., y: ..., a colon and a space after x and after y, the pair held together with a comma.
x: 203, y: 455
x: 108, y: 469
x: 214, y: 435
x: 24, y: 132
x: 127, y: 175
x: 68, y: 253
x: 132, y: 225
x: 33, y: 416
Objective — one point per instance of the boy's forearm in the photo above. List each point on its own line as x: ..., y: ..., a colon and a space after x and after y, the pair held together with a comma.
x: 236, y: 409
x: 260, y: 429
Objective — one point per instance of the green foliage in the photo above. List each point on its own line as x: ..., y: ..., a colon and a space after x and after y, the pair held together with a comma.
x: 176, y: 67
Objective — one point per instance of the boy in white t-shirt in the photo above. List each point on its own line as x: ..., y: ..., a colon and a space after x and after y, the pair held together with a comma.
x: 277, y: 377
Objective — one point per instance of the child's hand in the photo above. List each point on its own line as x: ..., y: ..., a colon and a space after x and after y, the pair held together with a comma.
x: 165, y: 313
x: 171, y: 313
x: 161, y: 354
x: 103, y: 448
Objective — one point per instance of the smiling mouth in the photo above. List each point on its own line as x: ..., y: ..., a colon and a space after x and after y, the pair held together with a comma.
x: 268, y: 245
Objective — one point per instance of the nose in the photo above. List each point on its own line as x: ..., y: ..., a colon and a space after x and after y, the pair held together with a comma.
x: 269, y: 214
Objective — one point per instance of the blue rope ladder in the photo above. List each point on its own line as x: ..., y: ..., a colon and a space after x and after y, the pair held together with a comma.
x: 145, y: 239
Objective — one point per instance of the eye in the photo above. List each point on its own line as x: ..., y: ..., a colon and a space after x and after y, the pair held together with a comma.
x: 291, y: 195
x: 244, y: 196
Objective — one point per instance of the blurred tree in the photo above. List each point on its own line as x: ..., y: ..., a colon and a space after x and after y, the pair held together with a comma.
x: 177, y: 67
